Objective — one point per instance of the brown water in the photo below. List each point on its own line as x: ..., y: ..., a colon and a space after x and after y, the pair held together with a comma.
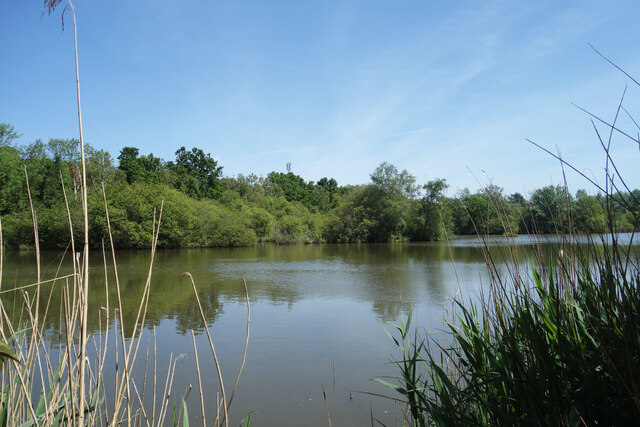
x: 312, y: 307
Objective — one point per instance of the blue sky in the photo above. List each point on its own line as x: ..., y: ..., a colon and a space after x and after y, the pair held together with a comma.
x: 442, y: 89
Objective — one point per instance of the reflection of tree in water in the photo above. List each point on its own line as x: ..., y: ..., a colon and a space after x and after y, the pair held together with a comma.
x: 187, y: 313
x: 395, y: 277
x: 389, y: 310
x: 168, y: 297
x: 387, y: 276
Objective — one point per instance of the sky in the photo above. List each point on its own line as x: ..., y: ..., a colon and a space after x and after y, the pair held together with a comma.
x: 442, y: 89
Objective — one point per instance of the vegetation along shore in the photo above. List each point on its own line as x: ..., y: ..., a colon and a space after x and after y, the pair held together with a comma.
x: 203, y: 208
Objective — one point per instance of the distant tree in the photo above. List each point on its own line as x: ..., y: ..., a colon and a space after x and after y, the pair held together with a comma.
x: 517, y: 199
x: 294, y: 187
x: 44, y: 179
x: 391, y: 182
x: 129, y: 163
x: 11, y: 180
x: 521, y: 211
x: 150, y: 167
x: 100, y: 168
x: 146, y: 168
x: 7, y: 134
x: 588, y: 213
x: 550, y: 209
x: 348, y: 224
x: 325, y: 194
x: 432, y: 219
x: 67, y: 150
x: 471, y: 214
x: 328, y: 183
x: 35, y: 150
x: 388, y: 200
x: 196, y: 173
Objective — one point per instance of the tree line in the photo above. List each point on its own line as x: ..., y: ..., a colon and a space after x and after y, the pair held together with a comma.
x: 203, y: 208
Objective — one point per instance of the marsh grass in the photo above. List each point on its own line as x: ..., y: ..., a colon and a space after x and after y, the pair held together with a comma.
x: 560, y: 346
x: 554, y: 343
x: 42, y: 384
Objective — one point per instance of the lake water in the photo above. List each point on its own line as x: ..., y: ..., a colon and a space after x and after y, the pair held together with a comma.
x: 315, y: 310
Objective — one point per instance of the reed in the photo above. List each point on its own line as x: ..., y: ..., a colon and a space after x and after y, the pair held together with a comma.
x: 40, y: 383
x: 43, y: 385
x: 555, y: 344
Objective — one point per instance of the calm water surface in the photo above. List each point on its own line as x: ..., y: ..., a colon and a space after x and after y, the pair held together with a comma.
x: 312, y: 307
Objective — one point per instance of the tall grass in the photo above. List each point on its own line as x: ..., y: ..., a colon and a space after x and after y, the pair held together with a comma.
x: 39, y: 381
x: 43, y: 385
x: 558, y: 344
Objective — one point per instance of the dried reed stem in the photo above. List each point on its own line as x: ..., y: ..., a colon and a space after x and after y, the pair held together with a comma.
x: 246, y: 342
x: 326, y: 405
x: 213, y: 350
x: 195, y: 352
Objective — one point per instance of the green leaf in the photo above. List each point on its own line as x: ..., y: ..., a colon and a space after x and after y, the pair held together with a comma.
x: 185, y: 414
x: 247, y: 420
x: 7, y: 353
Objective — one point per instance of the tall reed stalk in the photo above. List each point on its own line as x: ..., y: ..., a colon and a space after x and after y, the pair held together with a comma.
x: 43, y: 386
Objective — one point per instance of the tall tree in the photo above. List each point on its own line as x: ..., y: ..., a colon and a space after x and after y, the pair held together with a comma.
x: 7, y: 134
x: 550, y: 209
x: 433, y: 218
x: 388, y: 200
x: 196, y: 173
x: 64, y: 150
x: 129, y: 163
x: 294, y: 187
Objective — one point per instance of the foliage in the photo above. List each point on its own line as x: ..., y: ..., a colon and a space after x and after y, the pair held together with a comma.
x: 7, y: 353
x: 196, y: 173
x: 566, y: 353
x: 7, y: 135
x: 550, y: 208
x: 432, y: 218
x: 388, y: 201
x: 348, y: 224
x: 11, y: 180
x: 205, y: 209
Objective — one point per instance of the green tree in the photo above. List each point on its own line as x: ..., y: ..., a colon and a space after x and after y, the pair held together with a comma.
x: 129, y: 163
x: 100, y: 168
x: 431, y: 218
x: 146, y: 168
x: 348, y: 224
x: 293, y: 187
x: 11, y: 180
x: 588, y: 214
x: 388, y: 200
x: 550, y: 209
x: 67, y: 150
x: 7, y: 134
x: 521, y: 211
x: 325, y: 194
x: 196, y: 173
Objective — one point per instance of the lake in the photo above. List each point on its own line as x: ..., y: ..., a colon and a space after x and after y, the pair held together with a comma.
x: 318, y: 314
